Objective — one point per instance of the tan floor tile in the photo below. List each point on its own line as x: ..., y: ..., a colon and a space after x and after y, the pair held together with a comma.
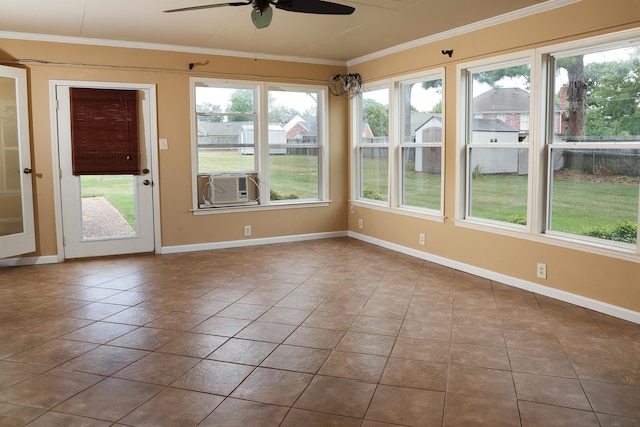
x: 145, y: 338
x: 53, y: 353
x: 12, y: 372
x: 221, y: 326
x: 478, y: 335
x: 273, y: 386
x: 104, y: 360
x: 607, y: 420
x: 415, y: 374
x: 54, y: 419
x: 294, y: 358
x: 406, y: 406
x: 357, y: 366
x: 300, y: 417
x: 480, y: 355
x: 99, y: 332
x: 178, y: 321
x: 419, y: 349
x: 472, y: 411
x: 137, y: 316
x: 483, y: 382
x: 193, y: 345
x: 17, y: 415
x: 266, y: 331
x: 96, y: 311
x: 157, y: 368
x: 315, y: 337
x: 243, y: 311
x: 434, y: 330
x: 327, y: 320
x: 376, y: 325
x: 48, y: 389
x: 541, y: 361
x: 211, y: 376
x: 537, y: 414
x: 356, y: 342
x: 247, y: 352
x: 339, y: 396
x: 613, y: 399
x: 288, y: 316
x: 173, y: 407
x: 109, y: 400
x: 556, y: 391
x: 242, y: 413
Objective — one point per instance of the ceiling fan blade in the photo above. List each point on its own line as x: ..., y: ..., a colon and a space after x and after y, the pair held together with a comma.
x: 209, y: 6
x: 319, y: 7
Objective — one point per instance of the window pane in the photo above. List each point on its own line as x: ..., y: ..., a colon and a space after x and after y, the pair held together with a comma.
x: 498, y: 184
x: 225, y: 146
x: 595, y: 193
x: 224, y: 100
x: 294, y: 159
x: 375, y: 116
x: 421, y: 177
x: 501, y: 104
x: 597, y: 96
x: 421, y: 123
x: 374, y: 164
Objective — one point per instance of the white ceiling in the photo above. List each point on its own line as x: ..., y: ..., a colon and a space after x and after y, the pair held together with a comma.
x: 376, y: 25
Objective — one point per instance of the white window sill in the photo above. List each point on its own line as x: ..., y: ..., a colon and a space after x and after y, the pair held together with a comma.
x: 257, y: 208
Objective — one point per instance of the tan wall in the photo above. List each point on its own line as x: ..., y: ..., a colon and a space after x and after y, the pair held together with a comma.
x: 601, y: 278
x: 169, y: 72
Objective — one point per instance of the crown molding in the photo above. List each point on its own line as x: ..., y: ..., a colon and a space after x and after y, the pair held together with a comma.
x: 489, y: 22
x: 50, y: 38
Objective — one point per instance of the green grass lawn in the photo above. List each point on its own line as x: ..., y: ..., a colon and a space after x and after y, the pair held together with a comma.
x: 576, y: 204
x: 117, y: 189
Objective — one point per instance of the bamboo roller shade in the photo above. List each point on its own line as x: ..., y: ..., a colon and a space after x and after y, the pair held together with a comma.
x: 104, y: 132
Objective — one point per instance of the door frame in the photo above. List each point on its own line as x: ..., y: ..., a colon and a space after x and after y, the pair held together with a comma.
x: 153, y: 154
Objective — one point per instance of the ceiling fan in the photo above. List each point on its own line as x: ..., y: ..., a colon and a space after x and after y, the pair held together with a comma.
x: 262, y: 12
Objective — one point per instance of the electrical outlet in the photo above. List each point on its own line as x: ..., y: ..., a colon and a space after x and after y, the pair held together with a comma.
x: 422, y: 239
x: 360, y: 223
x: 247, y: 230
x: 541, y: 271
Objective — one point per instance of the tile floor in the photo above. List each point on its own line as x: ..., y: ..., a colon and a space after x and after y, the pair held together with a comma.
x: 332, y: 332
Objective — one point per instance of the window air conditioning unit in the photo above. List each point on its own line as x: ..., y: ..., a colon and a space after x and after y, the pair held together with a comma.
x: 228, y: 189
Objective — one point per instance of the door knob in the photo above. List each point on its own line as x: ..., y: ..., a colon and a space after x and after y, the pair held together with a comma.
x: 27, y: 170
x: 145, y: 171
x: 147, y: 182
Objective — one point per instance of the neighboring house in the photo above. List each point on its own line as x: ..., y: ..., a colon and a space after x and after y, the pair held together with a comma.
x: 511, y: 105
x: 497, y: 160
x: 425, y: 128
x: 238, y: 136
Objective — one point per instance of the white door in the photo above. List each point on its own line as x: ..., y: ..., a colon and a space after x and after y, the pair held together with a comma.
x: 106, y: 214
x: 17, y: 232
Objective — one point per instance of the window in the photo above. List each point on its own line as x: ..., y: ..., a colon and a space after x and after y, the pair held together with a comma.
x: 269, y: 153
x: 594, y: 144
x: 373, y: 144
x: 421, y: 155
x: 399, y: 144
x: 496, y: 135
x: 568, y: 170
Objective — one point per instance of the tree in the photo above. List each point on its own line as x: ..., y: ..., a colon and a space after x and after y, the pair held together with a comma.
x: 241, y: 101
x: 613, y: 97
x: 377, y: 116
x: 209, y: 108
x: 281, y: 114
x: 576, y: 95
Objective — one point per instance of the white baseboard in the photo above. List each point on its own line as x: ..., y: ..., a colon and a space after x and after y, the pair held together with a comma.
x: 591, y: 304
x: 250, y: 242
x: 16, y: 262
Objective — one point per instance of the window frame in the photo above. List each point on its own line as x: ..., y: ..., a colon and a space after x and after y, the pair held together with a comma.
x: 261, y: 144
x: 541, y: 133
x: 465, y: 143
x: 394, y: 146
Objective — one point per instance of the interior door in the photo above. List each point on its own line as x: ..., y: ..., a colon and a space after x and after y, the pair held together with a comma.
x: 106, y: 214
x: 17, y: 232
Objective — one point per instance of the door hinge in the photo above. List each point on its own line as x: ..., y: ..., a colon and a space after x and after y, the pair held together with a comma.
x: 64, y: 241
x: 60, y: 173
x: 57, y: 104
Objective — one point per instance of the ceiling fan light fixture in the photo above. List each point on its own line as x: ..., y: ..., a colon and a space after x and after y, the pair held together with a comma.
x: 261, y: 19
